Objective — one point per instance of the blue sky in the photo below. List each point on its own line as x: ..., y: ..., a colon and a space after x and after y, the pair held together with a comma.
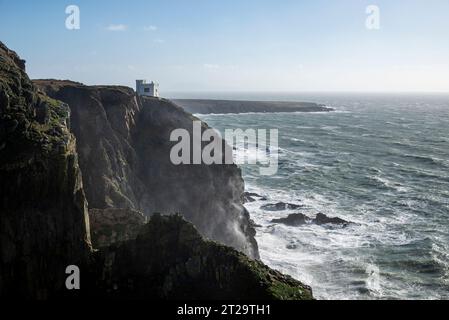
x: 245, y: 45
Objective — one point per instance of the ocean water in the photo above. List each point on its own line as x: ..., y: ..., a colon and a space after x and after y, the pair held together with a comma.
x: 381, y: 162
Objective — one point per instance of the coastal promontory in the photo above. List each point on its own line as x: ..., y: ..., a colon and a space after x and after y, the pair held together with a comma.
x: 70, y: 152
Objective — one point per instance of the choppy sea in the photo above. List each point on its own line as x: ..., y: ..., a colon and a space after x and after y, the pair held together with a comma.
x: 380, y: 161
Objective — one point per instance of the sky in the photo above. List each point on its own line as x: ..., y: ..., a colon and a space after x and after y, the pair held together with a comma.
x: 236, y: 45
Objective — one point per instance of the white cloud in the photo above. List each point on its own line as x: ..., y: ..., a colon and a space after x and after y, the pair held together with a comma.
x: 117, y: 27
x: 150, y: 28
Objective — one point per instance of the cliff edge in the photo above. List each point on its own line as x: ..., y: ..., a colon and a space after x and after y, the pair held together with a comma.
x: 44, y: 223
x: 123, y: 142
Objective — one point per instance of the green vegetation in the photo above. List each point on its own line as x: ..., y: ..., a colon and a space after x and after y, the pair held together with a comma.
x: 31, y: 123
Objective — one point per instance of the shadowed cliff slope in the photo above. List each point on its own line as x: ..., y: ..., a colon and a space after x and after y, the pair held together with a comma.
x: 187, y: 267
x: 43, y: 212
x: 124, y: 148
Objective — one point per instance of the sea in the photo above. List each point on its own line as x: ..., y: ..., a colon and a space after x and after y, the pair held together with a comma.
x: 380, y: 161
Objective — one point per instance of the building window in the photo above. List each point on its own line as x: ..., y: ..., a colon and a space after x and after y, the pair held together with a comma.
x: 146, y: 90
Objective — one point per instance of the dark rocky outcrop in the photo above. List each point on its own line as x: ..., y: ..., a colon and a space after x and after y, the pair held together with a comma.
x: 321, y: 219
x: 233, y: 106
x: 187, y: 267
x: 44, y: 223
x: 295, y: 219
x: 251, y: 197
x: 280, y: 206
x: 124, y: 147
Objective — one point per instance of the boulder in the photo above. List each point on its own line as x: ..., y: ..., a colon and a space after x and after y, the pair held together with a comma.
x: 295, y: 219
x: 321, y: 219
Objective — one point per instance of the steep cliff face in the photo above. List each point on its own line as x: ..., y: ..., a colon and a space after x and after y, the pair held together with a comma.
x: 210, y: 196
x: 124, y: 148
x: 187, y: 267
x: 44, y: 225
x: 43, y: 211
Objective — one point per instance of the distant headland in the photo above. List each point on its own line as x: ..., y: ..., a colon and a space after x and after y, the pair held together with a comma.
x: 200, y: 106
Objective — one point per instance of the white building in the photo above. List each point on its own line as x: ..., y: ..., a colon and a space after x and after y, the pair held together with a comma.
x: 144, y: 88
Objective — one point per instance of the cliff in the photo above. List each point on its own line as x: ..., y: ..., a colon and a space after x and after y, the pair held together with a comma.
x: 44, y: 224
x: 187, y: 267
x: 124, y: 149
x: 207, y: 106
x: 43, y: 212
x: 113, y: 225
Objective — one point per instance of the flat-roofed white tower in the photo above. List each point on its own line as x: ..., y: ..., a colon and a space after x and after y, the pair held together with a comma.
x: 144, y: 88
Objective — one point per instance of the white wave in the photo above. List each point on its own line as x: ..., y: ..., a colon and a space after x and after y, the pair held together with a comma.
x: 440, y: 254
x: 389, y: 183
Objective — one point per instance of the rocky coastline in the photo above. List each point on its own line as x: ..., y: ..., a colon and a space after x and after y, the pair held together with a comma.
x: 85, y: 180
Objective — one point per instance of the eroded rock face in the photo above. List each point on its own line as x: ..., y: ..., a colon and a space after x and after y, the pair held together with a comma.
x: 124, y: 147
x: 188, y: 267
x: 44, y: 224
x: 114, y: 225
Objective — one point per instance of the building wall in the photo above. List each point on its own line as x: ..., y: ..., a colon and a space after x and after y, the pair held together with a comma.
x: 147, y: 89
